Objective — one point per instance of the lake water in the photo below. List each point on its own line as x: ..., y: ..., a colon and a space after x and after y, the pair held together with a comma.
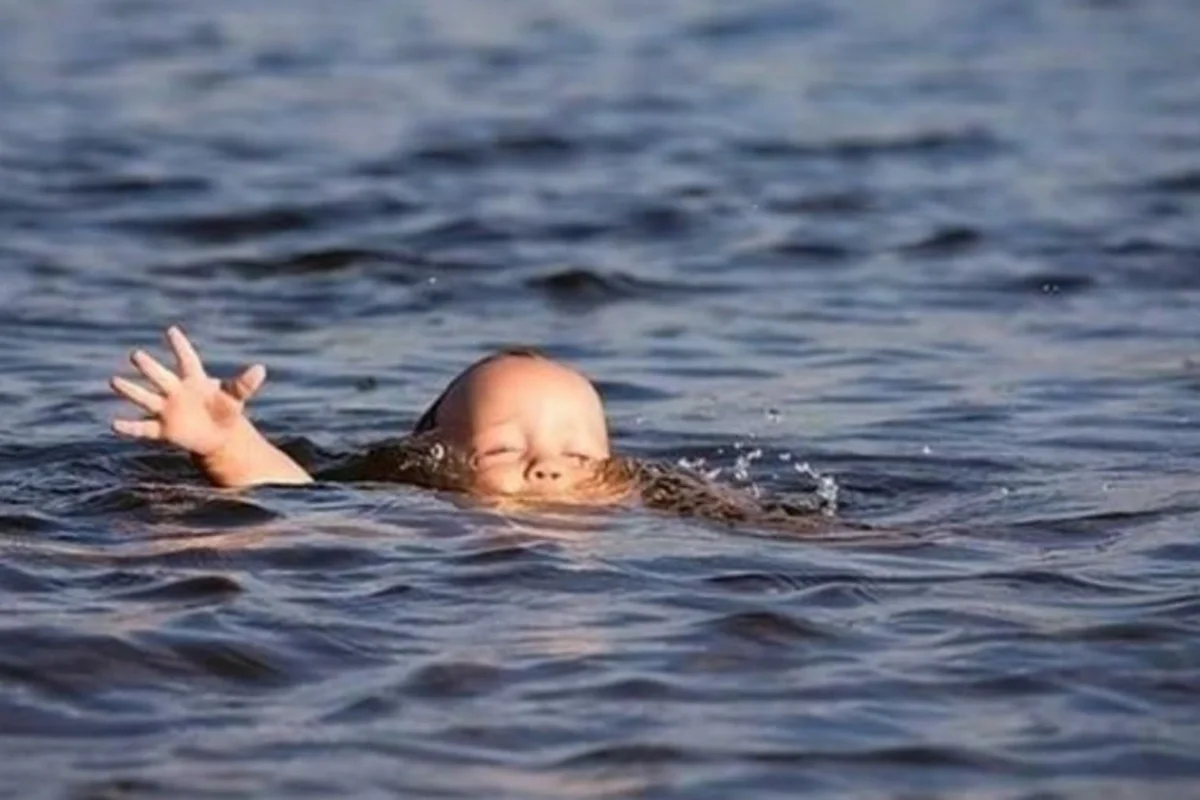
x: 942, y: 257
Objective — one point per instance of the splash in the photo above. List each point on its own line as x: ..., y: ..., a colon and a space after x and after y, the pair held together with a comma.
x: 827, y: 487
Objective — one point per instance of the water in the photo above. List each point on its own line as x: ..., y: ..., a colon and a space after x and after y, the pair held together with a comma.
x: 940, y: 258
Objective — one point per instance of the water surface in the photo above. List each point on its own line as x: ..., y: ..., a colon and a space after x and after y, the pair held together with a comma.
x: 946, y: 255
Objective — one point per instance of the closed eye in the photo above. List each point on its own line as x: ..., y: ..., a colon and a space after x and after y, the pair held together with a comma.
x: 496, y: 452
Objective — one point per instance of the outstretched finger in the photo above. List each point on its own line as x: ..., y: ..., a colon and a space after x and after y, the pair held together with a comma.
x: 247, y: 383
x: 140, y: 396
x: 163, y: 379
x: 138, y: 428
x: 187, y: 360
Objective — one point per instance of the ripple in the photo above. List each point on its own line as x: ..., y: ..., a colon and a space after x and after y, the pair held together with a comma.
x: 25, y: 523
x: 756, y: 582
x: 364, y: 709
x: 458, y: 231
x: 133, y: 186
x: 768, y: 628
x: 657, y: 222
x: 18, y: 581
x: 587, y: 288
x: 811, y: 250
x: 1139, y: 632
x: 1049, y: 283
x: 964, y: 143
x: 1184, y: 182
x: 232, y: 227
x: 622, y: 391
x: 224, y: 228
x: 324, y: 261
x: 64, y: 660
x: 118, y: 789
x: 191, y: 589
x: 519, y: 147
x: 933, y: 756
x: 844, y: 203
x: 234, y: 661
x: 780, y: 235
x: 947, y: 242
x: 540, y: 147
x: 640, y: 689
x: 454, y: 679
x: 631, y: 755
x: 172, y: 503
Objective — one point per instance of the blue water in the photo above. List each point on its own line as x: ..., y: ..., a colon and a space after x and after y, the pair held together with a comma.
x: 943, y: 255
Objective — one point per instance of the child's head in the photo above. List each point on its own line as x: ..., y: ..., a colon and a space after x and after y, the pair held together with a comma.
x: 531, y: 426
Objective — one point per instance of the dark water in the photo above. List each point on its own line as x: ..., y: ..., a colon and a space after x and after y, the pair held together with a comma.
x: 946, y: 254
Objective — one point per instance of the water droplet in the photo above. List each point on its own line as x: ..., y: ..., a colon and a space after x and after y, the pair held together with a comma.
x: 827, y: 487
x: 741, y: 466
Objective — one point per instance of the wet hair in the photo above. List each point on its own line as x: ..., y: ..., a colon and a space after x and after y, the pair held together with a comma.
x: 428, y: 420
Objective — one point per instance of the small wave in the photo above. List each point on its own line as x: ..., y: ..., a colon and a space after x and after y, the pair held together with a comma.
x: 1184, y: 182
x: 967, y: 142
x: 522, y: 147
x: 230, y: 660
x: 25, y: 523
x: 946, y: 241
x: 843, y: 203
x: 320, y: 261
x: 16, y: 580
x: 756, y: 582
x: 579, y: 287
x: 657, y: 222
x: 918, y: 755
x: 457, y: 231
x: 166, y: 503
x: 118, y: 186
x: 231, y: 227
x: 630, y: 755
x: 527, y: 145
x: 768, y: 628
x: 738, y: 24
x: 224, y: 228
x: 453, y: 679
x: 119, y: 789
x: 191, y: 589
x: 809, y: 250
x: 1048, y: 284
x: 624, y: 391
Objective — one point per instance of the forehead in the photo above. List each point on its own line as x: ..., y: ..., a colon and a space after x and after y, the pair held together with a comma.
x: 502, y: 373
x: 508, y: 379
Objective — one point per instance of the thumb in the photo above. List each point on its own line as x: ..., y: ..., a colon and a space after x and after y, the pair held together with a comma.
x: 246, y: 383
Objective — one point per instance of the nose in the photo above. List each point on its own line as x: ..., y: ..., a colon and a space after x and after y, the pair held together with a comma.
x: 544, y: 471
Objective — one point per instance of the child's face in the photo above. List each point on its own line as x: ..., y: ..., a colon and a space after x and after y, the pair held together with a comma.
x: 532, y: 427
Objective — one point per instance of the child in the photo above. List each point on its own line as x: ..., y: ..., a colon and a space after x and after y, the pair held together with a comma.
x: 521, y: 425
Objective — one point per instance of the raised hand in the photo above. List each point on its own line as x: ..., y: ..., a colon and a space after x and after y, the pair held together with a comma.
x: 203, y: 416
x: 185, y: 408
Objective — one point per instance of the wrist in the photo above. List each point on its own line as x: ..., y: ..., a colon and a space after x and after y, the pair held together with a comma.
x: 246, y: 458
x: 227, y: 456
